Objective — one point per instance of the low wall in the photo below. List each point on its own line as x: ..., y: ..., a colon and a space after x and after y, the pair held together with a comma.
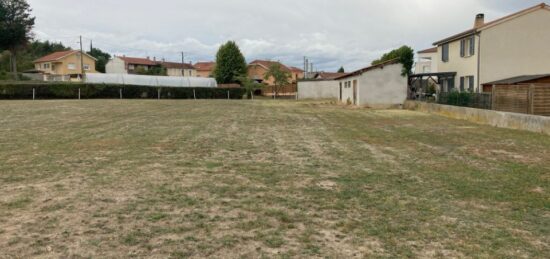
x: 326, y: 89
x: 534, y: 123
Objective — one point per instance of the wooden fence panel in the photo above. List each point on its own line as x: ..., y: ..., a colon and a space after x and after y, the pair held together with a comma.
x: 511, y: 98
x: 541, y: 100
x: 523, y: 98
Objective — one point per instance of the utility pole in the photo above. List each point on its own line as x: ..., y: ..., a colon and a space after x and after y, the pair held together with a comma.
x: 183, y: 63
x: 81, y: 60
x: 91, y: 46
x: 305, y: 58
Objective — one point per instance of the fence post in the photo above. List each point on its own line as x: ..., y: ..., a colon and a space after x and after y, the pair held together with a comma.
x: 120, y: 92
x: 78, y: 93
x: 493, y: 97
x: 33, y: 94
x: 531, y: 101
x: 194, y: 95
x: 158, y: 94
x: 227, y: 94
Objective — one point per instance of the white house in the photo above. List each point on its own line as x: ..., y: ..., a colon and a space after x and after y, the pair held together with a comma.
x: 426, y: 61
x: 515, y: 45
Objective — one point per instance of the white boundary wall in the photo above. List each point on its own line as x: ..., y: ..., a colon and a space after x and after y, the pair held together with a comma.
x: 326, y: 89
x: 125, y: 79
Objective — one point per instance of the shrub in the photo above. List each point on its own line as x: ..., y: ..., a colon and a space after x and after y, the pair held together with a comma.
x: 105, y: 91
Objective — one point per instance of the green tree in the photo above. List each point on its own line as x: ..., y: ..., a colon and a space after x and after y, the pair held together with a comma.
x: 405, y: 54
x: 102, y: 59
x: 230, y: 63
x: 280, y: 76
x: 153, y: 71
x: 250, y: 85
x: 16, y: 24
x: 341, y: 70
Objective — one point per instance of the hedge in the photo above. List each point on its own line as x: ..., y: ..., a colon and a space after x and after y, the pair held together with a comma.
x: 104, y: 91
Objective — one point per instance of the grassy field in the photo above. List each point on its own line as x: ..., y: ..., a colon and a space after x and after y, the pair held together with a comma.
x: 225, y: 179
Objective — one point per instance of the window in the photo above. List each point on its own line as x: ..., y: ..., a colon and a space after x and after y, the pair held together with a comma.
x: 46, y: 66
x: 445, y: 53
x: 71, y: 66
x: 131, y: 67
x: 86, y: 67
x: 467, y: 47
x: 467, y: 83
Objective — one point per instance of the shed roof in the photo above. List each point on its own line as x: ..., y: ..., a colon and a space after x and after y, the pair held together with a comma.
x: 330, y: 75
x: 518, y: 79
x: 363, y: 70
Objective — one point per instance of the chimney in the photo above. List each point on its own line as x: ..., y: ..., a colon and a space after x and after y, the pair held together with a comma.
x: 148, y: 58
x: 154, y: 58
x: 480, y: 20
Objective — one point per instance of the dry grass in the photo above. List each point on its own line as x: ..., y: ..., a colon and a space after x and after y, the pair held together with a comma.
x: 265, y: 179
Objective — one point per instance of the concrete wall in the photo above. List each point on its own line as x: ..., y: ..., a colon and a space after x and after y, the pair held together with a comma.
x: 177, y: 72
x: 517, y: 47
x: 533, y: 123
x: 318, y: 90
x: 383, y: 87
x: 116, y: 66
x: 377, y: 88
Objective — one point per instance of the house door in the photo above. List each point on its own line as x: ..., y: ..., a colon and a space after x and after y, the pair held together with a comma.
x: 354, y: 92
x: 340, y: 98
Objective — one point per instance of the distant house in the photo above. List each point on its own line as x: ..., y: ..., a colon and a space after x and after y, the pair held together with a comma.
x: 179, y: 69
x: 508, y: 47
x: 257, y: 70
x: 129, y: 65
x: 297, y: 74
x: 205, y: 69
x: 426, y: 61
x: 65, y: 65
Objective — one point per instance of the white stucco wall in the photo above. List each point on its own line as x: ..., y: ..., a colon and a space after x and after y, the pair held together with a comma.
x: 380, y: 87
x: 115, y: 66
x: 517, y: 47
x: 429, y: 60
x: 318, y: 90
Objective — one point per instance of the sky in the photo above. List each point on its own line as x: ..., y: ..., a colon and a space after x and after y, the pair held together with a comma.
x: 331, y: 33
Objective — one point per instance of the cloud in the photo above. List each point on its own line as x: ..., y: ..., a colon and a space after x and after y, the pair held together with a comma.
x: 351, y: 33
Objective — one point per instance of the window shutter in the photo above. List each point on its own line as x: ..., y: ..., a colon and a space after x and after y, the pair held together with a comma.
x: 462, y: 84
x: 462, y: 48
x: 471, y: 84
x: 473, y: 45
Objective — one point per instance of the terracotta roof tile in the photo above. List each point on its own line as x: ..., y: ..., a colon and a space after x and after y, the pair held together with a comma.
x: 176, y: 65
x: 430, y: 50
x: 205, y: 66
x: 55, y: 56
x: 266, y: 64
x: 138, y: 61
